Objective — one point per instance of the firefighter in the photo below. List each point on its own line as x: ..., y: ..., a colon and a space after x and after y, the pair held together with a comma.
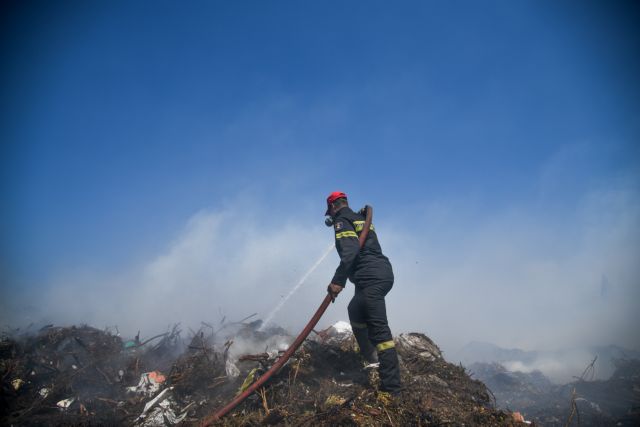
x: 371, y: 273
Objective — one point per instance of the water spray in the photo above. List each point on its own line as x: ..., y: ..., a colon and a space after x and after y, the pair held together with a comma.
x: 296, y: 287
x: 207, y: 421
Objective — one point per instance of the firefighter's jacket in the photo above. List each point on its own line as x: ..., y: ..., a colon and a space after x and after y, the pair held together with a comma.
x: 360, y: 266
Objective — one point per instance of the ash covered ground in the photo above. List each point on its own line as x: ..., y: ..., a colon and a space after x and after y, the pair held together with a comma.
x: 85, y: 376
x: 81, y: 375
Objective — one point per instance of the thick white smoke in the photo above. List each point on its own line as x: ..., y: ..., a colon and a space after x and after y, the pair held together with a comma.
x: 515, y: 279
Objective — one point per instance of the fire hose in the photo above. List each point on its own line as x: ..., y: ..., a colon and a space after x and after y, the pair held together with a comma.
x: 293, y: 347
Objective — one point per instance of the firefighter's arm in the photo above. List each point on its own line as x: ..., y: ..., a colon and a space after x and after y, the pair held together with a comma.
x: 348, y: 248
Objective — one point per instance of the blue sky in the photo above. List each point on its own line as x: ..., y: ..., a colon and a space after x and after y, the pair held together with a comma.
x: 123, y: 120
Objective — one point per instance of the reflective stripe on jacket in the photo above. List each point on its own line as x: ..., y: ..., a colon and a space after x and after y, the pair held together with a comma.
x: 359, y: 266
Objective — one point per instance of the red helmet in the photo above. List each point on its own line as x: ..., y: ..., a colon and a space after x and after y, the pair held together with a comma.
x: 333, y: 197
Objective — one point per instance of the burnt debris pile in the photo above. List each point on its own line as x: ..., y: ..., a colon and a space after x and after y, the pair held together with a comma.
x: 86, y: 376
x: 585, y: 401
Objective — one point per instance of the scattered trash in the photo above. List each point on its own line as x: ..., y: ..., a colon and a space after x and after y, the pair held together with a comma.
x: 337, y: 332
x: 149, y: 383
x: 324, y: 383
x: 161, y: 411
x: 159, y: 398
x: 163, y: 415
x: 64, y: 404
x: 420, y: 345
x: 384, y: 398
x: 334, y: 400
x: 251, y: 377
x: 517, y: 417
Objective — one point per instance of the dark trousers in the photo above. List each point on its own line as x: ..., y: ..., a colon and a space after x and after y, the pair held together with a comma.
x: 368, y: 317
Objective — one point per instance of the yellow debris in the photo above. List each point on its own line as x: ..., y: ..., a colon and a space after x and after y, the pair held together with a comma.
x: 334, y: 400
x: 384, y: 397
x: 248, y: 381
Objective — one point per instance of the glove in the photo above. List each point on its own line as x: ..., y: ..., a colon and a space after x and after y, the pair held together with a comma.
x: 363, y: 211
x: 334, y: 290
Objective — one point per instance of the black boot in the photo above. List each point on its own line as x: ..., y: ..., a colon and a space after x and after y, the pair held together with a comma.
x: 389, y: 371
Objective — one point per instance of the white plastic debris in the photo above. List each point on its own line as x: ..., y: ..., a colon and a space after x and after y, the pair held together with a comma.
x: 149, y: 384
x: 342, y: 327
x: 170, y: 415
x: 44, y: 392
x: 153, y: 402
x: 64, y: 404
x: 160, y: 411
x: 336, y: 333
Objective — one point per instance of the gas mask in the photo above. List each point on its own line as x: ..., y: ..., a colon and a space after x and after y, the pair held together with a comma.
x: 328, y: 221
